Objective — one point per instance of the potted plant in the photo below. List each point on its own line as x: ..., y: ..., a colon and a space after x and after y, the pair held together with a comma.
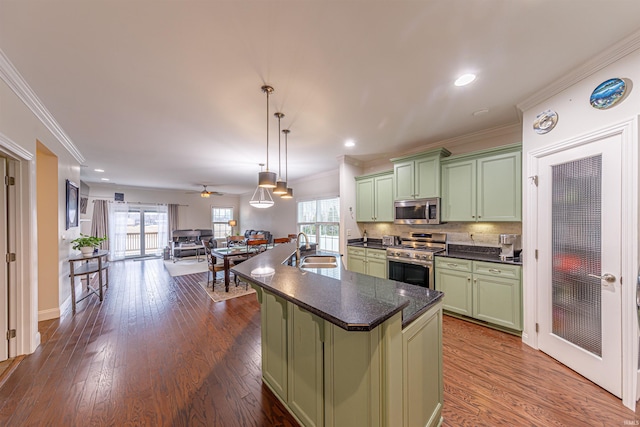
x: 86, y: 244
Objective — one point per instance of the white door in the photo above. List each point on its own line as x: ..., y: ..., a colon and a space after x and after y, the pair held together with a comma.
x: 4, y: 276
x: 579, y: 259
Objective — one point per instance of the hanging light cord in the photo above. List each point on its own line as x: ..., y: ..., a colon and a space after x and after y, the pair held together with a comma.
x: 286, y: 157
x: 279, y: 116
x: 267, y: 91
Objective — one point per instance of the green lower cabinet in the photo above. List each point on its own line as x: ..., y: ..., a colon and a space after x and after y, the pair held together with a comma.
x: 457, y: 289
x: 498, y: 301
x: 367, y: 261
x: 356, y: 259
x: 306, y: 366
x: 490, y: 292
x: 327, y: 376
x: 274, y: 343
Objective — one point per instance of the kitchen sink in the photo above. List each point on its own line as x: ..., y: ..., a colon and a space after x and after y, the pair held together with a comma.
x: 319, y: 261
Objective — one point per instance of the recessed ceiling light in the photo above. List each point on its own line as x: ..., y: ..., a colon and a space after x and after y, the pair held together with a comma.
x: 104, y: 179
x: 350, y: 143
x: 98, y: 170
x: 465, y: 79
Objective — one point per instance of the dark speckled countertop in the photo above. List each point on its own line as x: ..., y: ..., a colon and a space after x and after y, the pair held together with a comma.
x: 352, y: 301
x: 371, y: 243
x: 477, y: 253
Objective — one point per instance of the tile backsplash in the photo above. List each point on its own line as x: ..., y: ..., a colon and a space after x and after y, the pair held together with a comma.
x: 467, y: 233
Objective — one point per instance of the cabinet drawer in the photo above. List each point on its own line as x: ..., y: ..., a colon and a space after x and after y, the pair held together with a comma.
x: 495, y: 269
x: 453, y: 264
x: 376, y: 253
x: 356, y: 251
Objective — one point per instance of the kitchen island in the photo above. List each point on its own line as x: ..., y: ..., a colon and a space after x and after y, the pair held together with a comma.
x: 346, y: 349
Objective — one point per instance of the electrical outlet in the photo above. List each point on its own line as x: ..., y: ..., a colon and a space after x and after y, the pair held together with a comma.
x: 348, y: 232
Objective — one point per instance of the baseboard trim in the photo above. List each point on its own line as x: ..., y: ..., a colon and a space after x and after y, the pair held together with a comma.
x: 52, y: 313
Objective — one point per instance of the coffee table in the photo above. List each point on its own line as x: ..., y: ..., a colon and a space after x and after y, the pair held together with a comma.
x: 189, y: 246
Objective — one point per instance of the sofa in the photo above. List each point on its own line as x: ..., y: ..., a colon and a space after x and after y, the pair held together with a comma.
x: 267, y: 235
x: 181, y: 238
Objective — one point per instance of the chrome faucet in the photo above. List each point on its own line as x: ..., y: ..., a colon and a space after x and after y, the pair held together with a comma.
x: 307, y: 246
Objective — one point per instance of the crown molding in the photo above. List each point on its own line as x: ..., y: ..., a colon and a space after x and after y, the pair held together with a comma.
x: 612, y: 54
x: 21, y: 88
x: 14, y: 148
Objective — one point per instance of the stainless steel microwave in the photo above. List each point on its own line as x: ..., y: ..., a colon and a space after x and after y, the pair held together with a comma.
x: 418, y: 211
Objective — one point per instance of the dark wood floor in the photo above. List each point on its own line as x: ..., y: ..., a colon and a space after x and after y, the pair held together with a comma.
x: 159, y: 352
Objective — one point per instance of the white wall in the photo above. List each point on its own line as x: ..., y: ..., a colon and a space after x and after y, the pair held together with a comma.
x: 193, y: 212
x: 23, y: 128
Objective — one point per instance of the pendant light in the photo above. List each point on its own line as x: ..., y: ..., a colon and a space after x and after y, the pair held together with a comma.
x: 281, y: 186
x: 261, y: 198
x: 289, y: 193
x: 267, y: 179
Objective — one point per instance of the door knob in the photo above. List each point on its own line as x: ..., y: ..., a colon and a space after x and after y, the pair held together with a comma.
x: 609, y: 278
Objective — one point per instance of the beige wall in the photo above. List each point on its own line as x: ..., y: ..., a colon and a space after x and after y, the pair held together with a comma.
x: 47, y: 199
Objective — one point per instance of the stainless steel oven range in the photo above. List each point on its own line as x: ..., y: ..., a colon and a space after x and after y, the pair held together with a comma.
x: 412, y: 261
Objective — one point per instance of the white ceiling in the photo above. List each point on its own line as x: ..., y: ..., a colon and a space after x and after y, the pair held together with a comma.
x: 166, y: 94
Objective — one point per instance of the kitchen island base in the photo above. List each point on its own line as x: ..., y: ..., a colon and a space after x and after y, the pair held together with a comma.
x: 327, y: 376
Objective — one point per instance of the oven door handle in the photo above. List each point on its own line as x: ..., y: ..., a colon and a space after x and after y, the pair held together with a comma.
x: 406, y: 261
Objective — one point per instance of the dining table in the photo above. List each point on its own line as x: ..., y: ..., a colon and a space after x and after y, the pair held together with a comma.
x: 236, y: 253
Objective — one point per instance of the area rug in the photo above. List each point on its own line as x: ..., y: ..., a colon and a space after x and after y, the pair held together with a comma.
x: 186, y: 266
x: 218, y: 293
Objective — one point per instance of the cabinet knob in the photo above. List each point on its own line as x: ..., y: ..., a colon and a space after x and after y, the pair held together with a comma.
x: 473, y: 216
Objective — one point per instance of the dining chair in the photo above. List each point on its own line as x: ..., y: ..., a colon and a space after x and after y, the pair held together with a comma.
x: 281, y: 240
x: 212, y: 263
x: 257, y: 243
x: 235, y: 241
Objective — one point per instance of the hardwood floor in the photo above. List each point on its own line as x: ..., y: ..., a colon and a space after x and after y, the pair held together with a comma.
x: 159, y: 352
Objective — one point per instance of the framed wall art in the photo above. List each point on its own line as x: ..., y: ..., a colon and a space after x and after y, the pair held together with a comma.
x: 72, y: 205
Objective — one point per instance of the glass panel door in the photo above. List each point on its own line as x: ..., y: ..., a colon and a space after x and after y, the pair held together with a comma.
x: 576, y: 250
x: 143, y: 232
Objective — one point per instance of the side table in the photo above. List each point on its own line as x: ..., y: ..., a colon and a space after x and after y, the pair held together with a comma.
x: 96, y: 263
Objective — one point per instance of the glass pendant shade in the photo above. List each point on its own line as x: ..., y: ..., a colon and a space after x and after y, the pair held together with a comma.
x: 281, y: 188
x: 267, y: 179
x: 261, y: 198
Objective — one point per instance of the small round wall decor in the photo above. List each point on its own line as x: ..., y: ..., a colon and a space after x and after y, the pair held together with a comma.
x: 545, y: 121
x: 608, y: 94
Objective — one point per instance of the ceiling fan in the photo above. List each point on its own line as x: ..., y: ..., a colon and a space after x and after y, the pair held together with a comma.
x: 206, y: 193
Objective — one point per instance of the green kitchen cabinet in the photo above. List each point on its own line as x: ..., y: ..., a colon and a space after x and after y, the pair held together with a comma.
x: 274, y: 334
x: 367, y: 261
x: 418, y: 176
x: 486, y: 291
x: 374, y: 198
x: 453, y: 277
x: 497, y: 291
x: 356, y: 259
x: 483, y: 186
x: 306, y: 366
x: 335, y: 377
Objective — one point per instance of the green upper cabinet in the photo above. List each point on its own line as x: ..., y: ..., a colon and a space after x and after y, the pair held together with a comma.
x: 418, y: 176
x: 483, y: 186
x: 374, y: 198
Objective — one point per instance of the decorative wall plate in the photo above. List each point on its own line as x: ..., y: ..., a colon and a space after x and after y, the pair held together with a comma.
x: 545, y: 121
x: 608, y: 94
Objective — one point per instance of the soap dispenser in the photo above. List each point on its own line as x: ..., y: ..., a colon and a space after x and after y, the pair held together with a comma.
x: 364, y: 236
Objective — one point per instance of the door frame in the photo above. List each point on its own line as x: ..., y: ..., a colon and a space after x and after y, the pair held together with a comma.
x: 23, y: 301
x: 628, y: 132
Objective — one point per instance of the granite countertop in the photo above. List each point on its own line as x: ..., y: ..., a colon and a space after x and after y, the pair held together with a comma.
x: 371, y: 243
x: 477, y: 253
x: 352, y: 301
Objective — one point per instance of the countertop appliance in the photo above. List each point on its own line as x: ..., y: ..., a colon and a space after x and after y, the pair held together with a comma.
x: 412, y: 261
x: 418, y: 211
x: 390, y: 240
x: 510, y: 246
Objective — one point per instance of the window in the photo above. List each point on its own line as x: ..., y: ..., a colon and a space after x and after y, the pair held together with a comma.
x: 220, y: 218
x: 320, y: 220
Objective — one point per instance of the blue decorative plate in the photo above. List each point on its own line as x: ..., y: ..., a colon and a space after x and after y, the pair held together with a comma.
x: 545, y: 121
x: 608, y: 94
